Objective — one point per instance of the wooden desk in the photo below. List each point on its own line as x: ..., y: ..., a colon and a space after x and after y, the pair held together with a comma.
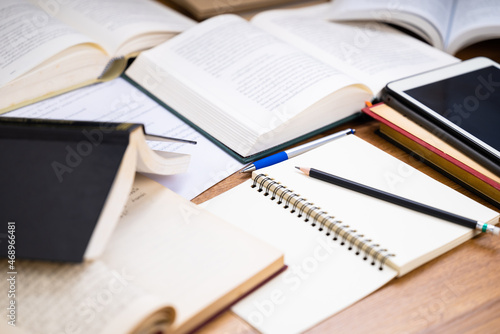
x: 457, y: 292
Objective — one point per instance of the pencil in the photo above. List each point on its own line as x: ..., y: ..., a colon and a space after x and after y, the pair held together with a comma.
x: 404, y: 202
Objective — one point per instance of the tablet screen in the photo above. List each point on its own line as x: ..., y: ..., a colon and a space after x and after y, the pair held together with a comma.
x: 470, y: 100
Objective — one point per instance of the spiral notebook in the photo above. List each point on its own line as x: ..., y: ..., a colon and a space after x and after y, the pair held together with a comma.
x: 339, y: 245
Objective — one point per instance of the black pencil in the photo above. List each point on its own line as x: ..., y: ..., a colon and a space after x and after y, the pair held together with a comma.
x: 407, y: 203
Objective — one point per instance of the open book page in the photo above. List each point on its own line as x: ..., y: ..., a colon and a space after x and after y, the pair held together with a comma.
x: 29, y: 37
x: 86, y: 298
x: 186, y: 255
x: 119, y: 101
x: 372, y: 53
x: 164, y: 248
x: 322, y: 277
x: 247, y: 79
x: 473, y: 21
x: 115, y: 24
x: 413, y: 237
x: 428, y: 19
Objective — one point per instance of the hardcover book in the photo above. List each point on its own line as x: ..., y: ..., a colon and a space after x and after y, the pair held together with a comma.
x: 202, y: 9
x: 256, y: 87
x: 65, y: 183
x: 437, y: 153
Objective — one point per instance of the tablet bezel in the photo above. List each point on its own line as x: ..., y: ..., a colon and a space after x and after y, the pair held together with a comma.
x: 396, y: 89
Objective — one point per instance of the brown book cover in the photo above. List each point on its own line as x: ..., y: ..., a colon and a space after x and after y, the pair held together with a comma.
x: 202, y: 9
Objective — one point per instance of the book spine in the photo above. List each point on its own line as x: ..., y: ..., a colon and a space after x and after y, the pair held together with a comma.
x: 49, y: 129
x: 322, y: 220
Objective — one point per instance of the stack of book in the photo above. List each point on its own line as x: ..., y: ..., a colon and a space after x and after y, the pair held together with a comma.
x: 437, y: 153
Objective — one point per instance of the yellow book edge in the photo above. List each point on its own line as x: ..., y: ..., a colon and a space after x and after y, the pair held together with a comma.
x: 449, y: 167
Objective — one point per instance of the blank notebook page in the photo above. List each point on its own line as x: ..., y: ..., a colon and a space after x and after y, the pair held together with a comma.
x: 414, y: 237
x: 324, y: 277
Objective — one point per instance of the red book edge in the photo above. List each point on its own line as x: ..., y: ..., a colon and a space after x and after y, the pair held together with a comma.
x: 431, y: 148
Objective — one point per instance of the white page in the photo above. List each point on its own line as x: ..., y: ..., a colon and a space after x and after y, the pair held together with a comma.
x: 372, y: 53
x: 76, y: 298
x: 185, y: 255
x: 29, y: 36
x: 119, y: 101
x: 437, y: 13
x: 256, y: 80
x: 480, y: 17
x: 113, y: 24
x: 322, y: 277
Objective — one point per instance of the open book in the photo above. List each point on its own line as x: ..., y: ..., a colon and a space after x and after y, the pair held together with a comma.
x: 448, y: 25
x: 256, y: 87
x: 339, y: 245
x: 52, y: 46
x: 66, y: 182
x: 169, y: 267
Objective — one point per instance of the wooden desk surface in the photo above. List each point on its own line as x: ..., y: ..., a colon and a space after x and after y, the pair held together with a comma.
x: 458, y: 292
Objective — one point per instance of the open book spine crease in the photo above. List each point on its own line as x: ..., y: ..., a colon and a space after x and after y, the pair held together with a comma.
x: 112, y: 62
x: 322, y: 219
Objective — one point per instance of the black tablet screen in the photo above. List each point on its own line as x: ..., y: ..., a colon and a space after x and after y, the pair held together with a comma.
x: 471, y: 101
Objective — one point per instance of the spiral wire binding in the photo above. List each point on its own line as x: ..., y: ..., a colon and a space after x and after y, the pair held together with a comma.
x: 326, y: 223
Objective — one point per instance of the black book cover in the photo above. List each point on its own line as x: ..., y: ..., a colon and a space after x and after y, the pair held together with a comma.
x: 55, y: 177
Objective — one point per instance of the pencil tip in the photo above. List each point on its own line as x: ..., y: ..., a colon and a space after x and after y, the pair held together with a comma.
x: 297, y: 167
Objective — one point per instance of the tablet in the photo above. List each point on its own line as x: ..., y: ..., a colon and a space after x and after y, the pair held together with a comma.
x: 462, y: 99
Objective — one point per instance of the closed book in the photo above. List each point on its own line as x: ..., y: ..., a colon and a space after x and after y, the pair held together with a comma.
x: 437, y: 153
x: 202, y: 9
